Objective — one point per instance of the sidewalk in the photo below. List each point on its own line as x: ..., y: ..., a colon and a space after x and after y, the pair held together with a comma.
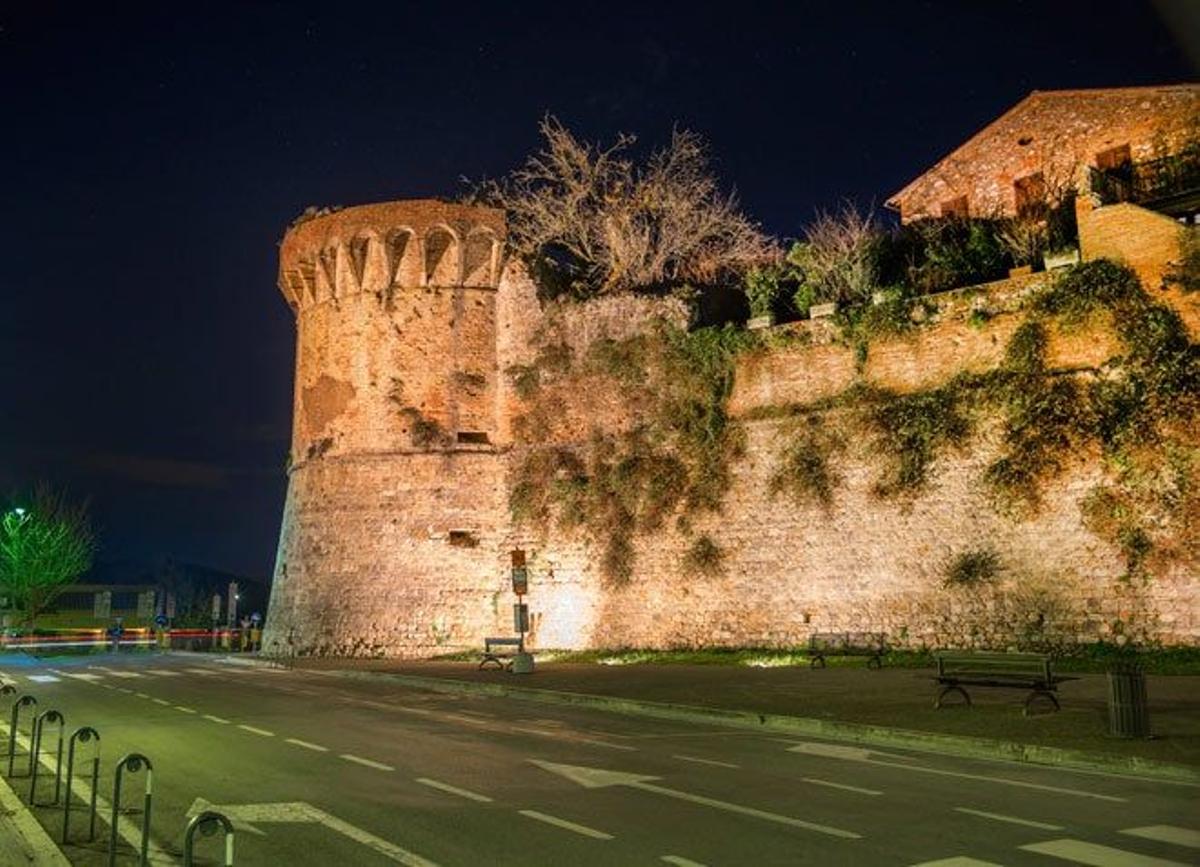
x: 22, y: 839
x: 855, y: 703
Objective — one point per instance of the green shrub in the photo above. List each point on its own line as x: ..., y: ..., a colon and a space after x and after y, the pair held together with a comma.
x: 804, y: 473
x: 704, y: 557
x: 762, y: 287
x: 972, y: 568
x: 1186, y: 272
x: 909, y: 431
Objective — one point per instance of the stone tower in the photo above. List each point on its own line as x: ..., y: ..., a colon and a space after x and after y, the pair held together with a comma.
x: 395, y: 506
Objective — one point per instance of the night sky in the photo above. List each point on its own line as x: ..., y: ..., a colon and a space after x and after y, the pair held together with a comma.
x: 152, y: 157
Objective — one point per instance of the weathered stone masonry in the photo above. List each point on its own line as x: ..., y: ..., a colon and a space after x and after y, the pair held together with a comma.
x: 396, y: 530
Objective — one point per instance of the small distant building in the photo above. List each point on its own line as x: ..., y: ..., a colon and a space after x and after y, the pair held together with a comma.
x: 1130, y: 144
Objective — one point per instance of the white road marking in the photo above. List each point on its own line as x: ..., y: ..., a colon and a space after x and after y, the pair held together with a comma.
x: 43, y: 678
x: 359, y: 760
x: 841, y: 786
x: 680, y: 861
x: 1167, y: 834
x: 162, y: 672
x: 701, y: 761
x: 848, y: 753
x: 298, y: 742
x: 1094, y: 854
x: 566, y: 736
x: 161, y: 701
x: 208, y: 672
x: 127, y: 675
x: 216, y: 719
x: 957, y: 861
x: 244, y: 816
x: 91, y: 678
x: 564, y: 824
x: 141, y: 695
x: 256, y: 731
x: 597, y: 778
x: 183, y: 709
x: 465, y: 719
x: 1012, y: 820
x: 453, y: 790
x: 125, y: 690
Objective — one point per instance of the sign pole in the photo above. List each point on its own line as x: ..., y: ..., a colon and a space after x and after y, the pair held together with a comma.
x: 522, y: 660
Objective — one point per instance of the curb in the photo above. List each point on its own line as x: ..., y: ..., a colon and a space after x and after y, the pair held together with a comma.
x: 858, y: 733
x: 21, y: 831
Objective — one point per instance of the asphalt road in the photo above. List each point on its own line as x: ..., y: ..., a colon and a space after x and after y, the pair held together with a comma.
x: 318, y: 769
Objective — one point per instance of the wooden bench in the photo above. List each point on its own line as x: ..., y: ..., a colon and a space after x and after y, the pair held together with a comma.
x: 502, y: 658
x: 868, y: 644
x: 958, y: 669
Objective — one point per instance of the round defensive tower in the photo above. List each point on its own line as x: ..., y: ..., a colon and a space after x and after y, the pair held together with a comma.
x: 395, y: 505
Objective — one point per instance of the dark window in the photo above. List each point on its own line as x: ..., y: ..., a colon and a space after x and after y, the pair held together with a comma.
x: 956, y: 207
x: 463, y: 539
x: 1031, y: 195
x: 473, y: 437
x: 1114, y: 158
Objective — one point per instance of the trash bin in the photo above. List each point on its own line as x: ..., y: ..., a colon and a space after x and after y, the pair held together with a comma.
x: 1128, y: 713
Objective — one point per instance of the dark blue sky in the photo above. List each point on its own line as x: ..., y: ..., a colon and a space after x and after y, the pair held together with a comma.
x: 151, y: 158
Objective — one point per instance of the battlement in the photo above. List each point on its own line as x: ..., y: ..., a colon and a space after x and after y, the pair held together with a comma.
x: 370, y: 248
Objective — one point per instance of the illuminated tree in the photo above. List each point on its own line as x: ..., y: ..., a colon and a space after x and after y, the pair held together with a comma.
x: 44, y: 546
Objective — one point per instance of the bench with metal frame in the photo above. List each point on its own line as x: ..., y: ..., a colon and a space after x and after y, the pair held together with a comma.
x: 868, y: 644
x: 501, y: 659
x: 1032, y: 671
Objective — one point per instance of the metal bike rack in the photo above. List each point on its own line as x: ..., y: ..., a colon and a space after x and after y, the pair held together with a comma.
x: 207, y: 823
x: 81, y: 735
x: 133, y: 762
x: 23, y: 701
x: 35, y: 750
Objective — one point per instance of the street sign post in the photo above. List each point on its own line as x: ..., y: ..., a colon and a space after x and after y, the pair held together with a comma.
x: 522, y: 661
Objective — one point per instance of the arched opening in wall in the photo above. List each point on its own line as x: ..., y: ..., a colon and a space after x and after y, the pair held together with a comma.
x: 478, y: 255
x: 327, y: 265
x: 403, y: 257
x: 441, y: 257
x: 358, y: 248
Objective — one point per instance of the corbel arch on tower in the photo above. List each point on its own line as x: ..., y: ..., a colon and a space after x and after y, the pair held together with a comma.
x: 443, y: 256
x: 481, y: 257
x: 403, y: 255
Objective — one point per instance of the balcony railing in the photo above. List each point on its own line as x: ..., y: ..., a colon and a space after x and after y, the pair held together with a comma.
x: 1165, y: 181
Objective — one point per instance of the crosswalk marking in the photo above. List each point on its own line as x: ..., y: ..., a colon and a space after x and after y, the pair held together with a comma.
x: 1167, y: 834
x: 1095, y: 855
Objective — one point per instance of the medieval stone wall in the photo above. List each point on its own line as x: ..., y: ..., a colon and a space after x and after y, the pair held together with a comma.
x: 391, y: 546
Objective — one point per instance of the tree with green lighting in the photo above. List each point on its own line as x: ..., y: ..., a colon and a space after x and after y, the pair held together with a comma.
x: 45, y: 544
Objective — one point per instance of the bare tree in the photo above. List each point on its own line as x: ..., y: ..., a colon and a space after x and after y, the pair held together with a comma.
x: 620, y: 225
x: 43, y: 547
x: 838, y: 256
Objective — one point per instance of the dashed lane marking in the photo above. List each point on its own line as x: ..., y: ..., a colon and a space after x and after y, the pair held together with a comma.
x: 680, y: 861
x: 565, y: 825
x: 216, y: 719
x: 1012, y: 820
x: 161, y: 701
x: 845, y: 788
x: 316, y: 748
x: 566, y: 736
x: 1167, y: 834
x: 90, y: 678
x: 1082, y: 852
x: 701, y: 761
x: 125, y: 690
x: 256, y: 731
x: 141, y: 695
x: 43, y: 678
x: 359, y: 760
x: 183, y: 709
x: 207, y: 672
x: 162, y: 672
x: 957, y: 861
x: 453, y: 790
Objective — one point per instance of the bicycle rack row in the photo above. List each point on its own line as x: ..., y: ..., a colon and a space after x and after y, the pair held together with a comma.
x: 206, y: 823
